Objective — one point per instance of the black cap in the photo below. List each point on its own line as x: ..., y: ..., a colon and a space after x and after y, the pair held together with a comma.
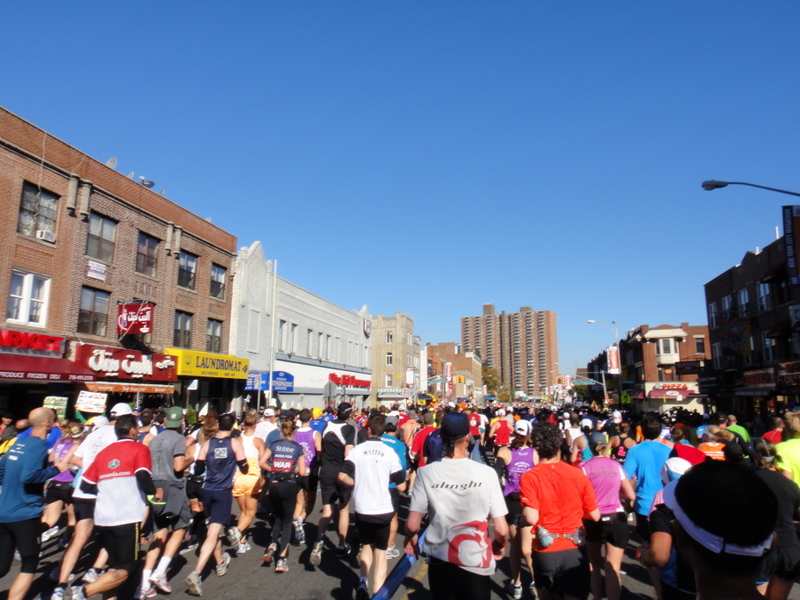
x: 454, y: 426
x: 344, y: 408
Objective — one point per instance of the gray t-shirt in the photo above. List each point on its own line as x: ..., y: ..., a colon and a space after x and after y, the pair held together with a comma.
x: 163, y: 449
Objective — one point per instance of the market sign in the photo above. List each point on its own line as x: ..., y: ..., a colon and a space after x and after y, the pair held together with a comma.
x: 192, y: 363
x: 33, y: 344
x: 135, y: 318
x: 120, y: 363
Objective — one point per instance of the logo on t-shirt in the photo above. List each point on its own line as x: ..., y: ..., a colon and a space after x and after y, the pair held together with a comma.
x: 469, y: 547
x: 113, y: 464
x: 220, y: 452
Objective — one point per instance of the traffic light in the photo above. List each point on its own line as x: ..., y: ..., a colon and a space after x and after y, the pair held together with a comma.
x: 560, y: 380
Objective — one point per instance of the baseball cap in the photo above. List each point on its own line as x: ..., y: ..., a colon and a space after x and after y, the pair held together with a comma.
x: 174, y: 416
x: 120, y: 409
x: 587, y: 423
x: 522, y: 427
x: 270, y: 412
x: 286, y: 414
x: 98, y: 421
x: 674, y: 468
x: 344, y: 408
x: 616, y: 416
x: 501, y: 412
x: 455, y: 426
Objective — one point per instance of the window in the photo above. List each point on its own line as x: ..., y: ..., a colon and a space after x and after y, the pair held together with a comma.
x: 187, y: 270
x: 282, y: 339
x: 747, y: 355
x: 769, y: 347
x: 309, y: 343
x: 327, y: 347
x: 664, y: 346
x: 93, y: 313
x: 182, y: 337
x: 389, y: 337
x: 389, y: 358
x: 100, y: 241
x: 27, y: 299
x: 744, y: 299
x: 214, y: 336
x: 764, y: 298
x: 699, y: 345
x: 388, y: 380
x: 727, y: 306
x: 320, y: 345
x: 218, y: 281
x: 293, y: 338
x: 146, y: 255
x: 712, y: 314
x: 37, y: 210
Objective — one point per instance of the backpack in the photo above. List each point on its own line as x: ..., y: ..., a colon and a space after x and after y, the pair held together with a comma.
x: 434, y: 447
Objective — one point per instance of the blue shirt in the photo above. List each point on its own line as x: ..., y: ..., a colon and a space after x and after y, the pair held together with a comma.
x: 399, y: 449
x: 644, y: 461
x: 23, y: 472
x: 52, y: 437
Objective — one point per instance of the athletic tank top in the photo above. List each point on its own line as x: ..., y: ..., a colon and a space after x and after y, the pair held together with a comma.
x: 574, y: 434
x: 305, y: 437
x: 283, y: 460
x: 250, y: 450
x: 586, y: 453
x: 620, y: 452
x: 60, y: 450
x: 220, y: 464
x: 502, y: 436
x: 521, y: 462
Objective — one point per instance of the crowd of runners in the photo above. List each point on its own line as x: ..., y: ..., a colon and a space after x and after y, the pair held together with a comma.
x: 559, y: 494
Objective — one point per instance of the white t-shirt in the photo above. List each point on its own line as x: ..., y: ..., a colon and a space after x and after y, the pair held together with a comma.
x: 264, y: 428
x: 460, y: 496
x: 375, y: 462
x: 96, y: 441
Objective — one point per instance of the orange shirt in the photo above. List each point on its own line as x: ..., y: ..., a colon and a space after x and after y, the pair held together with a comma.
x: 712, y: 450
x: 562, y: 494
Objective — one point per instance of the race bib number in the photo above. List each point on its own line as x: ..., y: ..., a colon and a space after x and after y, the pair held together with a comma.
x: 220, y: 453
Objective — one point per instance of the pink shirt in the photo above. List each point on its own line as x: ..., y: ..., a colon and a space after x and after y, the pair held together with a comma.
x: 606, y: 476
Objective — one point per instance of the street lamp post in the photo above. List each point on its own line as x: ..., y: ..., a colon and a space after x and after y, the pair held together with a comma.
x: 712, y: 184
x: 615, y: 332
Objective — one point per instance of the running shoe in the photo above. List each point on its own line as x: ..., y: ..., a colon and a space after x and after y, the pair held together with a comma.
x: 146, y: 592
x: 533, y: 589
x: 343, y: 550
x: 222, y: 567
x: 362, y: 593
x: 90, y: 576
x: 234, y: 536
x: 270, y: 552
x: 298, y: 531
x: 392, y: 553
x: 194, y: 584
x: 316, y: 552
x: 243, y: 547
x: 281, y: 565
x: 515, y: 591
x: 74, y: 592
x: 58, y: 594
x: 50, y: 533
x: 161, y: 583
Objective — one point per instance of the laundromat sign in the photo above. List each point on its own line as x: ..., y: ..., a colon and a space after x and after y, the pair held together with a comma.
x: 192, y: 363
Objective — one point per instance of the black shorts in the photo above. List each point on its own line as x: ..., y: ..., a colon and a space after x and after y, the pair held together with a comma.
x: 122, y: 544
x: 217, y: 505
x: 395, y: 494
x: 450, y: 582
x: 334, y: 490
x: 374, y: 530
x: 643, y: 527
x: 610, y: 529
x: 193, y: 487
x: 84, y: 508
x: 24, y: 536
x: 310, y: 481
x: 514, y: 506
x: 780, y: 562
x: 58, y: 491
x: 563, y: 572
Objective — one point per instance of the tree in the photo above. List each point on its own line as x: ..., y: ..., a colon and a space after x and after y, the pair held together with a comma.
x: 490, y: 378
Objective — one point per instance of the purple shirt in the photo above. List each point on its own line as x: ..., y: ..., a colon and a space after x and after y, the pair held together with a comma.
x: 521, y: 462
x: 60, y: 450
x: 606, y: 476
x: 305, y: 437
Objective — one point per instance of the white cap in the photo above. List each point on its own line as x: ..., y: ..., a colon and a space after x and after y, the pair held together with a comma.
x: 501, y: 412
x: 270, y: 412
x: 121, y: 408
x: 616, y: 416
x: 587, y: 423
x: 522, y: 427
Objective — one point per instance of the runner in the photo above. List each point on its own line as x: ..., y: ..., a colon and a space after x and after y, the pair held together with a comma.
x: 390, y: 437
x: 311, y: 441
x: 284, y: 461
x: 120, y: 476
x: 219, y: 456
x: 247, y: 487
x: 23, y: 471
x: 511, y: 463
x: 460, y: 496
x: 369, y: 468
x: 58, y: 493
x: 337, y: 441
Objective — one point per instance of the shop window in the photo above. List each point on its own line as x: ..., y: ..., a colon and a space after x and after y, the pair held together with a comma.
x: 218, y: 275
x: 187, y: 270
x: 146, y: 255
x: 27, y: 299
x: 101, y: 238
x: 37, y: 212
x: 93, y: 312
x: 214, y: 336
x: 182, y: 336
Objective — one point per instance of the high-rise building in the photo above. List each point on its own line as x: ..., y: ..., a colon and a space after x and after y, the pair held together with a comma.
x: 522, y: 347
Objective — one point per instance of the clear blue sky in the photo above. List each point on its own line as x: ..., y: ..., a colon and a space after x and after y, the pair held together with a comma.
x: 428, y: 157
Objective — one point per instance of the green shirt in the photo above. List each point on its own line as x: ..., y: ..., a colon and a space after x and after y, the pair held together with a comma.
x: 789, y: 458
x: 741, y: 431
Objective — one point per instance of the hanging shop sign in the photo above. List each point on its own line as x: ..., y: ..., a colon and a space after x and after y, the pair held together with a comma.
x: 135, y: 318
x: 121, y: 363
x: 33, y: 344
x: 192, y: 363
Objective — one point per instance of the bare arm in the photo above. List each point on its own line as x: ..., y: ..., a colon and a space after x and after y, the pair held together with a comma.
x: 627, y: 490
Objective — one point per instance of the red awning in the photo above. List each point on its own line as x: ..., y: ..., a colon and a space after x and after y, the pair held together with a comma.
x: 42, y: 369
x: 669, y: 394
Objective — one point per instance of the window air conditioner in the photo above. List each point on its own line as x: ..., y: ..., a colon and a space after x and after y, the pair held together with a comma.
x: 47, y: 236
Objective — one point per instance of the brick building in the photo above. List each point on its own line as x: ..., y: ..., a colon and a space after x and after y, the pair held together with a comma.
x: 466, y: 371
x: 82, y: 239
x: 522, y: 347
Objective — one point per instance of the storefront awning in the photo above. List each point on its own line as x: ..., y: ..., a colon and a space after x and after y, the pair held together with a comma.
x: 42, y: 369
x: 673, y: 394
x: 132, y: 388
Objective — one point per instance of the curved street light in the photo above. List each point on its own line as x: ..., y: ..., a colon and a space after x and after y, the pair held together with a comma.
x: 713, y: 184
x: 615, y: 332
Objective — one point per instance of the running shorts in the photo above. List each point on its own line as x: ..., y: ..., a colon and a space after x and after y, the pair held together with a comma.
x: 610, y: 529
x: 563, y: 572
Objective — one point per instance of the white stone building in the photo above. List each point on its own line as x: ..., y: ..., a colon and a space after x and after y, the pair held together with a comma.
x: 320, y: 351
